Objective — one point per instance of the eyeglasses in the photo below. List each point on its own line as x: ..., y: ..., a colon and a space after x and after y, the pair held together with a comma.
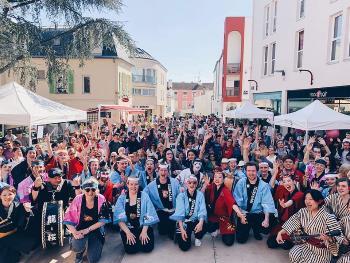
x: 88, y: 190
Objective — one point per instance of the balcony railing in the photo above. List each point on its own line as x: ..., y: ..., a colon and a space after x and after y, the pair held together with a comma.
x: 144, y: 78
x: 233, y: 68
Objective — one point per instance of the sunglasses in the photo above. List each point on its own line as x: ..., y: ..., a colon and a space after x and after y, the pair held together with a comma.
x: 88, y: 190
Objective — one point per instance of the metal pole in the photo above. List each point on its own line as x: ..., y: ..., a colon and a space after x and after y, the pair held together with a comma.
x: 30, y: 134
x: 99, y: 114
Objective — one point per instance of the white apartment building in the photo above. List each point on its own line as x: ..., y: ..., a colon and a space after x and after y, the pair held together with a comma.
x: 149, y: 80
x: 295, y: 41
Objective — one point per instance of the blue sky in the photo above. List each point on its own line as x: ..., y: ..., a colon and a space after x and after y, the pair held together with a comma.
x: 186, y: 36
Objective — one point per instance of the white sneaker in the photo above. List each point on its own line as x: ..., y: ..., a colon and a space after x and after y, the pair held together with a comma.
x: 214, y: 234
x: 197, y: 242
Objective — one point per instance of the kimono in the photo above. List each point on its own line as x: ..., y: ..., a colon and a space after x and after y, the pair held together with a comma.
x: 285, y: 213
x: 345, y: 226
x: 182, y: 177
x: 144, y: 179
x: 321, y: 223
x: 148, y: 214
x: 152, y: 191
x: 73, y: 213
x: 25, y: 189
x: 183, y: 208
x: 116, y: 176
x: 220, y: 208
x: 263, y: 201
x: 334, y: 205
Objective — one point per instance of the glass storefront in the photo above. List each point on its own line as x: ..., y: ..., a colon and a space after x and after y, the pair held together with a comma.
x: 270, y: 101
x: 337, y: 98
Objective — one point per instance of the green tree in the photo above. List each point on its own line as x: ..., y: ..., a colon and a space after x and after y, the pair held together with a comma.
x: 22, y: 33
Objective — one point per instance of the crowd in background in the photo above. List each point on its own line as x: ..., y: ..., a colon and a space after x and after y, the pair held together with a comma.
x: 187, y: 175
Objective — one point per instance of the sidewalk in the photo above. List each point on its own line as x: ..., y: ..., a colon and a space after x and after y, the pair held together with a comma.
x: 211, y: 251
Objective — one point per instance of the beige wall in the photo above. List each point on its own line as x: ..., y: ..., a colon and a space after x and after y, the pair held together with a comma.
x: 104, y: 83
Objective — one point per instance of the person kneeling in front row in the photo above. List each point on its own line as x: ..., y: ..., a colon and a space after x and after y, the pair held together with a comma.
x: 190, y: 214
x: 85, y: 218
x: 135, y: 215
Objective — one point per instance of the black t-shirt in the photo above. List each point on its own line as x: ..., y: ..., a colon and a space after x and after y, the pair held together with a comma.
x: 163, y: 190
x: 66, y: 193
x: 250, y: 190
x: 131, y: 214
x: 88, y: 217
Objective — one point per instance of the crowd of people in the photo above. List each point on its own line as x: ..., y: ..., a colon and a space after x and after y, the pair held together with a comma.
x: 186, y: 177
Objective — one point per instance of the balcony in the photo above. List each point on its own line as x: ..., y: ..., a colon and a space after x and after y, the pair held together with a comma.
x: 233, y: 68
x: 144, y: 79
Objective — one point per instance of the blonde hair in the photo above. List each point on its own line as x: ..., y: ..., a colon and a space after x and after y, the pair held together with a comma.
x: 344, y: 170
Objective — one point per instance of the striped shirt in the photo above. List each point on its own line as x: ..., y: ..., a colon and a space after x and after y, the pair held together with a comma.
x: 320, y: 223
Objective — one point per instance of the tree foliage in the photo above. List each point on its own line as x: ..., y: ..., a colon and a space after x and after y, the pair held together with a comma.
x: 22, y: 28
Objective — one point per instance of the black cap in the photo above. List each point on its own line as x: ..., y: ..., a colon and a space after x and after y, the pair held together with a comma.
x: 37, y: 163
x: 55, y: 172
x: 321, y: 161
x: 31, y: 148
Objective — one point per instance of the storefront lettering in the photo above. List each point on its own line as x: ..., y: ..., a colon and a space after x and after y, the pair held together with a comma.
x: 318, y: 94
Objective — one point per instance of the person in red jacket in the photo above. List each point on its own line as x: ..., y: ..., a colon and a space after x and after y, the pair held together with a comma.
x: 287, y: 206
x: 105, y: 185
x: 67, y: 161
x: 220, y: 207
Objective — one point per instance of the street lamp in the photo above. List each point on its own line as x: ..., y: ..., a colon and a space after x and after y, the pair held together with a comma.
x: 311, y: 75
x: 281, y: 71
x: 256, y: 83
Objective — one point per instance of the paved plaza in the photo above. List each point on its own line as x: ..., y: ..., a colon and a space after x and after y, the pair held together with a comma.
x: 211, y: 251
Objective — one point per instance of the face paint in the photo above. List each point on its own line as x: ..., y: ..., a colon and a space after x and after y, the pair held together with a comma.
x: 197, y: 166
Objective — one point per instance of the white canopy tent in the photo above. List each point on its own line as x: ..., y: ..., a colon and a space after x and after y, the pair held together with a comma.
x: 315, y: 116
x: 249, y: 111
x: 20, y: 106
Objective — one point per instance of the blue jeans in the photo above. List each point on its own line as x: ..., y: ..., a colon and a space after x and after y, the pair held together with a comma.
x: 94, y: 247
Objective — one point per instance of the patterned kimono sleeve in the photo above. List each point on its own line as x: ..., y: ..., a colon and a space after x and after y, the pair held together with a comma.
x: 149, y: 215
x: 333, y: 225
x: 293, y: 223
x: 202, y: 213
x: 180, y: 210
x: 119, y: 214
x: 104, y: 215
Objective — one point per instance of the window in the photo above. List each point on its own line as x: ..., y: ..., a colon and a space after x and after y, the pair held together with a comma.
x: 347, y: 43
x: 301, y: 9
x: 273, y: 58
x: 57, y: 41
x: 86, y: 84
x: 300, y: 49
x: 136, y: 92
x: 41, y: 74
x: 336, y: 37
x: 274, y: 22
x: 266, y: 54
x: 233, y: 91
x: 267, y: 20
x: 61, y: 83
